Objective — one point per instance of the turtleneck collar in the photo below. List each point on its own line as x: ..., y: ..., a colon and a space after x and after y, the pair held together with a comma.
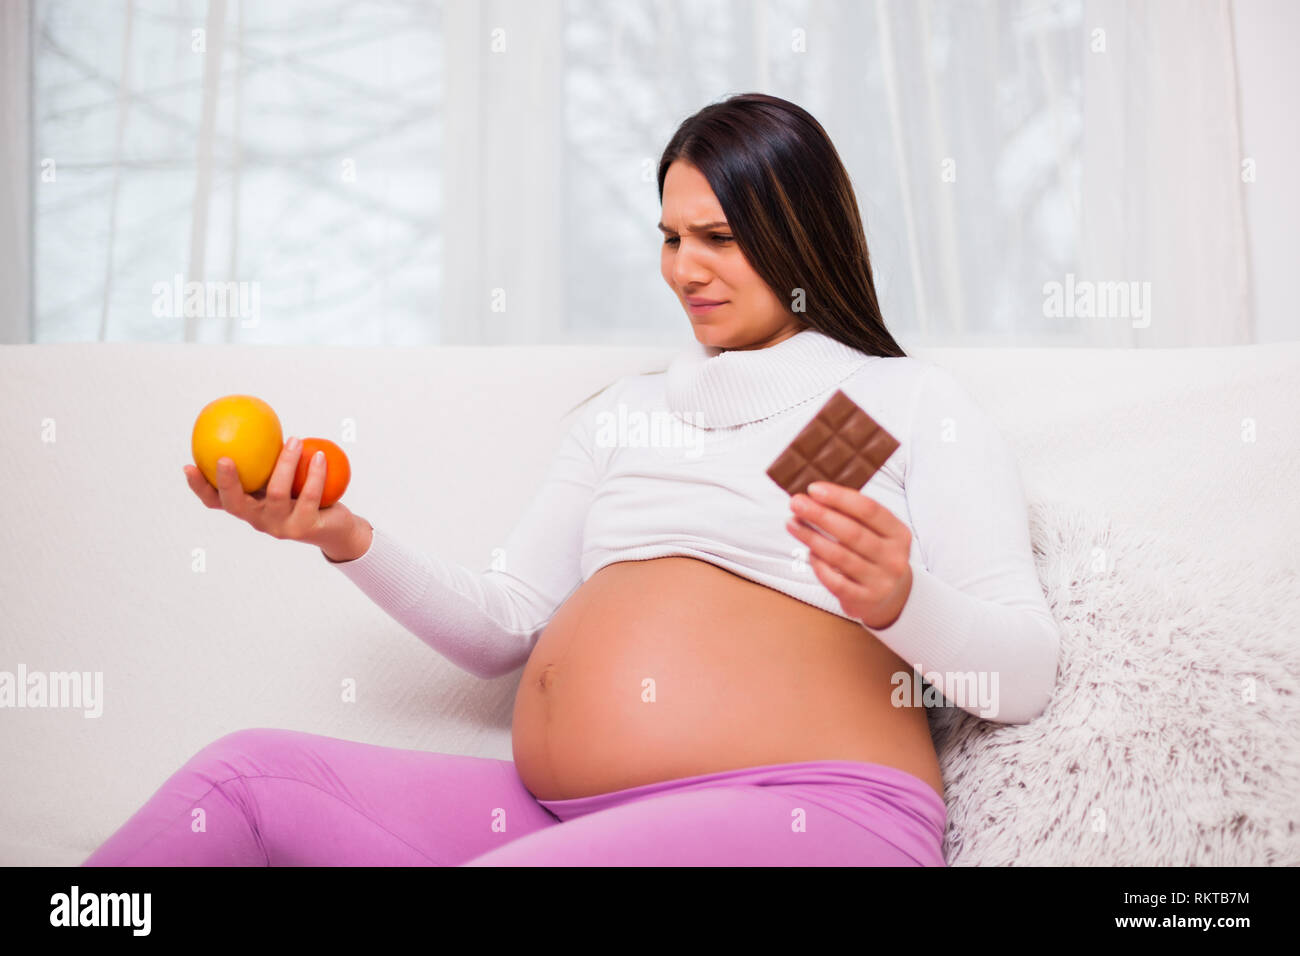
x: 720, y: 388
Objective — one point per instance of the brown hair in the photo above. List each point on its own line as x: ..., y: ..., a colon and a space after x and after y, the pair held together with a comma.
x: 790, y: 205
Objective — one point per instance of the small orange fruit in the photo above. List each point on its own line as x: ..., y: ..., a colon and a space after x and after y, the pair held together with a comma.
x: 337, y: 470
x: 244, y: 429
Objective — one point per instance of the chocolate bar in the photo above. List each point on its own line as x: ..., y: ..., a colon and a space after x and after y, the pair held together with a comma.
x: 842, y: 444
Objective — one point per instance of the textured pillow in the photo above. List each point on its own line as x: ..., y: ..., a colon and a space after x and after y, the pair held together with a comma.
x: 1171, y: 739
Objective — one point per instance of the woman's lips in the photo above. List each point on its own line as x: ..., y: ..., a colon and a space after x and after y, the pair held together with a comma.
x: 702, y: 308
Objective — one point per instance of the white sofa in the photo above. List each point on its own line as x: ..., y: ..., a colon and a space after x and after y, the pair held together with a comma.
x: 1165, y: 530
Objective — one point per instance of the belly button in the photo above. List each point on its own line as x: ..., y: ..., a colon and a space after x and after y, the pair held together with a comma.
x: 546, y: 677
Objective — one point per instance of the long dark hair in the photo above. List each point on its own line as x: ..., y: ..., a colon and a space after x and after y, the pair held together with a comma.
x: 790, y: 205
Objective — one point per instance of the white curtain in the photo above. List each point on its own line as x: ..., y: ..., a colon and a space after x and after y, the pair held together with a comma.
x: 1163, y: 188
x: 15, y: 176
x: 466, y: 172
x: 501, y: 168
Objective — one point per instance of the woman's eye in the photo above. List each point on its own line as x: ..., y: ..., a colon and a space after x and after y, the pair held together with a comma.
x: 673, y: 240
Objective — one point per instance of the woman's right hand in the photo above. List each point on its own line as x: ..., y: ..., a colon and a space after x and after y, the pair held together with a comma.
x: 272, y: 511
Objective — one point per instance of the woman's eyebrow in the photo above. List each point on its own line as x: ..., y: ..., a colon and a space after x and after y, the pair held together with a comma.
x: 698, y: 227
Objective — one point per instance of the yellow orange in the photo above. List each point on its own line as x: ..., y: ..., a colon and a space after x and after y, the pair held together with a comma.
x: 244, y: 429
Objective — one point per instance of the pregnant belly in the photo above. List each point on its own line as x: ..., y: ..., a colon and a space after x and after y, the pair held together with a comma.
x: 672, y: 667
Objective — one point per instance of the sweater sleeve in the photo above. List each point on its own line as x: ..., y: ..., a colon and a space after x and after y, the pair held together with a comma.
x: 976, y: 612
x: 487, y: 622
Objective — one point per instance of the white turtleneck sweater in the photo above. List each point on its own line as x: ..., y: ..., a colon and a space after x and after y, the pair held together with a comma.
x: 675, y: 463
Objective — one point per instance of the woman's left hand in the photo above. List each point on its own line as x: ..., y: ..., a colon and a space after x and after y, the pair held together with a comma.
x: 866, y: 565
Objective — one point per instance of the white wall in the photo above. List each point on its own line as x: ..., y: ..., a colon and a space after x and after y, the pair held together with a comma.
x: 1268, y: 65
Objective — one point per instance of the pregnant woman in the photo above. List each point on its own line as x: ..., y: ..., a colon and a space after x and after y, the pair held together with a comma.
x: 714, y: 672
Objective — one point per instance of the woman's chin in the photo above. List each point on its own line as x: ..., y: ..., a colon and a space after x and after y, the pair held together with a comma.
x: 710, y: 333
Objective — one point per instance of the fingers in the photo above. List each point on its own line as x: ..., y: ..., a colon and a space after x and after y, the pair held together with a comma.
x: 847, y: 531
x: 851, y: 565
x: 852, y: 594
x: 856, y: 505
x: 281, y: 484
x: 305, y: 511
x: 233, y: 497
x: 199, y: 485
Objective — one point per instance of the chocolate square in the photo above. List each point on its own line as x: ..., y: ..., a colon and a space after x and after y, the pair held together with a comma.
x: 842, y: 444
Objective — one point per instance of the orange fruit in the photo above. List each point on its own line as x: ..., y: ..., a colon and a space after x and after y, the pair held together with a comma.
x: 337, y: 470
x: 242, y: 428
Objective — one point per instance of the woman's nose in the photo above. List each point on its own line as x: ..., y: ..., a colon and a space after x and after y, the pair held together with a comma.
x: 688, y: 271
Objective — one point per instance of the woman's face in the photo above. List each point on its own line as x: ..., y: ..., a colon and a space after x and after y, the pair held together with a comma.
x: 706, y: 264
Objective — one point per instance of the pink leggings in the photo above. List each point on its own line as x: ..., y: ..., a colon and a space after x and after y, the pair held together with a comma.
x: 264, y: 797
